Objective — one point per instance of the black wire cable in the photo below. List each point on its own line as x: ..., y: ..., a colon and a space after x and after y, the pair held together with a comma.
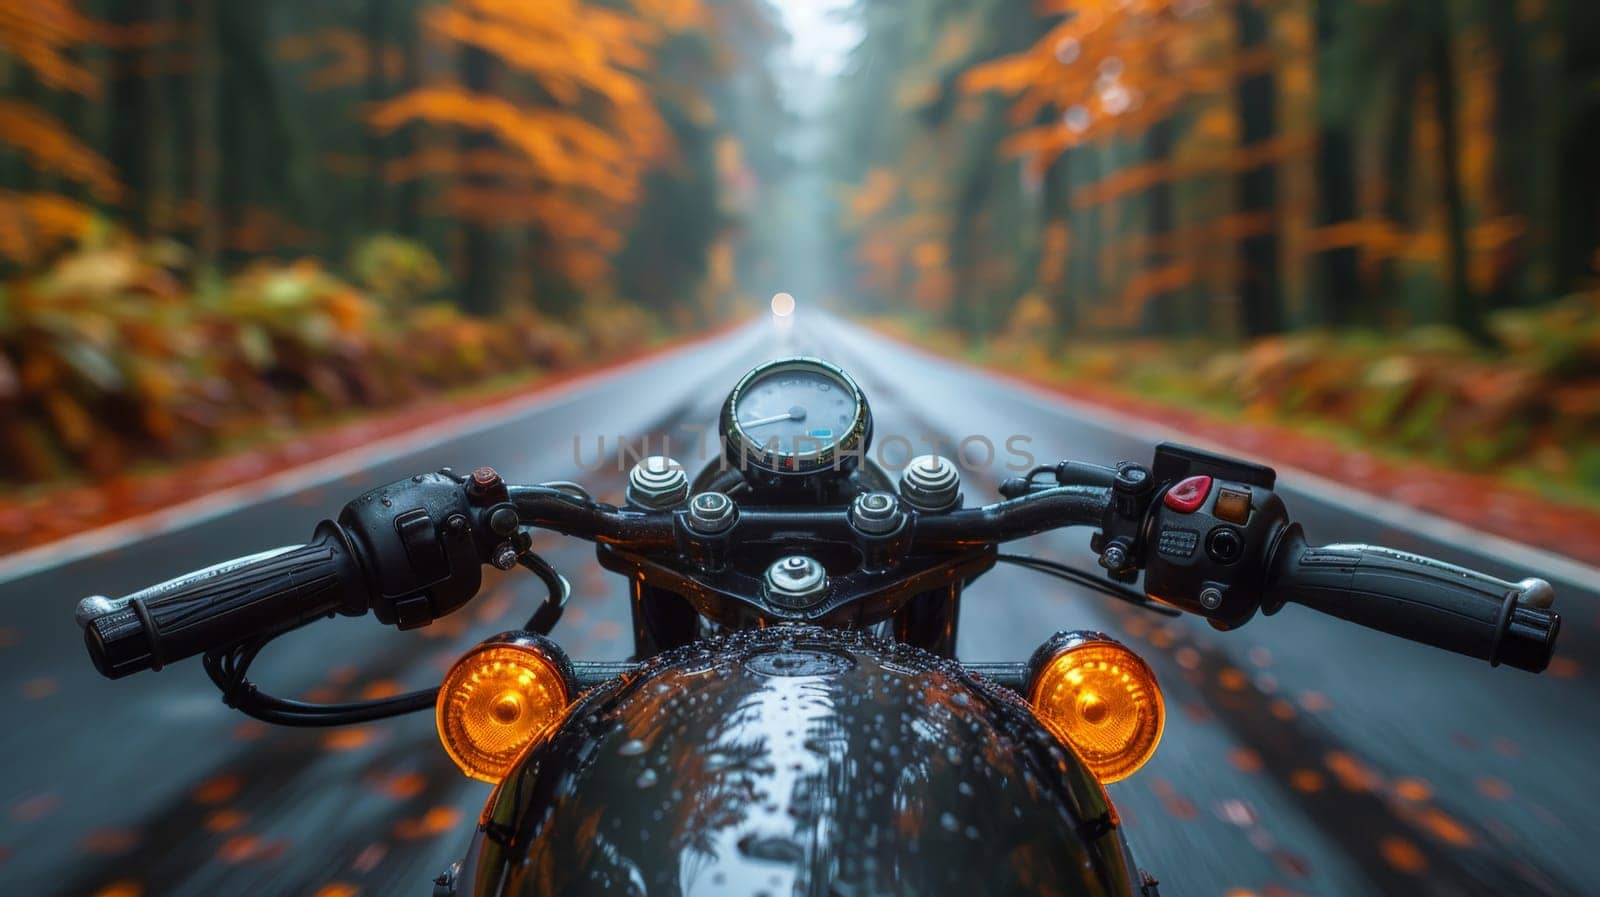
x: 227, y: 669
x: 1088, y: 580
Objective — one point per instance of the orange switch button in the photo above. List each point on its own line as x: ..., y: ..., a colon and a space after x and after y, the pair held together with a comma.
x: 1233, y: 505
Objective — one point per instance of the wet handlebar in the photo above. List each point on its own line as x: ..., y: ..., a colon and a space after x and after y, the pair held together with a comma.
x: 225, y: 604
x: 1420, y: 599
x: 408, y: 552
x: 1208, y: 533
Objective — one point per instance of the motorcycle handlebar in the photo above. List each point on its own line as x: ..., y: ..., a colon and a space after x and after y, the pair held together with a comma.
x: 1006, y: 521
x: 1420, y: 599
x: 224, y: 605
x: 412, y: 564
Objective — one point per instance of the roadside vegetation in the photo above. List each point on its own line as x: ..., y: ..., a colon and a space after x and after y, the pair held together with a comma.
x: 1527, y: 412
x: 109, y: 358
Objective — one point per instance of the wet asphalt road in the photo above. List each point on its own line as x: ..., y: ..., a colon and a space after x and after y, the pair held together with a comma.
x: 1302, y: 755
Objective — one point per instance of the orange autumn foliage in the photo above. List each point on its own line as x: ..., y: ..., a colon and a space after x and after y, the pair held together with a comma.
x: 41, y: 32
x: 575, y: 166
x: 34, y: 224
x: 51, y: 147
x: 1112, y: 67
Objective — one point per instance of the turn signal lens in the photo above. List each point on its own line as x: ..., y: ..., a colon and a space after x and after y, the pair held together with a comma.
x: 1101, y: 700
x: 499, y: 699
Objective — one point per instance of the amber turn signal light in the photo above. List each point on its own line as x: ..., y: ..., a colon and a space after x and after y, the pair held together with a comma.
x: 499, y: 699
x: 1100, y: 699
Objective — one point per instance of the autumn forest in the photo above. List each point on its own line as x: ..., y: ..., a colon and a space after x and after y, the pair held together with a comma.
x: 1381, y: 217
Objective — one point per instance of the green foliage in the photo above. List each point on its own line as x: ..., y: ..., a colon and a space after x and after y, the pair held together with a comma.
x: 401, y: 270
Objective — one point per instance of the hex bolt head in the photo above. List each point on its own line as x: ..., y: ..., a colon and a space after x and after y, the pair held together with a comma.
x: 1114, y: 557
x: 711, y: 513
x: 505, y: 556
x: 796, y: 582
x: 1210, y: 597
x: 931, y: 483
x: 876, y: 513
x: 1131, y: 477
x: 657, y: 483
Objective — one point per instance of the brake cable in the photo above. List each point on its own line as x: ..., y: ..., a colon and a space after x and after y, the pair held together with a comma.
x: 228, y: 667
x: 1088, y: 580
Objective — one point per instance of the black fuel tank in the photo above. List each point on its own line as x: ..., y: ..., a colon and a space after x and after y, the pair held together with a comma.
x: 795, y: 761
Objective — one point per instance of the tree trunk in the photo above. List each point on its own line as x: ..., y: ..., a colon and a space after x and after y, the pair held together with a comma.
x: 409, y: 201
x: 207, y: 71
x: 1160, y: 315
x: 1058, y: 208
x: 477, y: 274
x: 1260, y: 300
x: 1466, y: 312
x: 376, y: 90
x: 1342, y: 302
x: 966, y: 252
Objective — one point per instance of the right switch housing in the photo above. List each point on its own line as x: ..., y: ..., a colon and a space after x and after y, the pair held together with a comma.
x: 1211, y: 534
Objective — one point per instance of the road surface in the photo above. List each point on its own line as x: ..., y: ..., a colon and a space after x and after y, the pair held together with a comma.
x: 1302, y: 756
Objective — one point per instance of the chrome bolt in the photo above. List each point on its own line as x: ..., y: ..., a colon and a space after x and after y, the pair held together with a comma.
x: 505, y: 556
x: 931, y: 484
x: 1535, y: 592
x: 1114, y: 558
x: 796, y: 582
x: 657, y: 483
x: 1211, y: 598
x: 876, y: 513
x: 711, y: 513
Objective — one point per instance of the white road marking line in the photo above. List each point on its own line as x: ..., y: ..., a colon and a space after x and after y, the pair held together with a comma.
x: 212, y: 505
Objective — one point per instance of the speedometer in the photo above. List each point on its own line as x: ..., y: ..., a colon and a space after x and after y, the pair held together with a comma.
x: 795, y: 416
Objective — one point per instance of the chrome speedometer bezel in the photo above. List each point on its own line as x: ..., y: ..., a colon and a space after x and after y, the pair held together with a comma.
x: 760, y: 463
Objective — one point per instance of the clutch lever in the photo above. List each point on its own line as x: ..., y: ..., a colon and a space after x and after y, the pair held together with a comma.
x: 548, y: 613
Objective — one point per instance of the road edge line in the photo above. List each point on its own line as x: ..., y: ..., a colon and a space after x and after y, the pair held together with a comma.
x: 1340, y: 495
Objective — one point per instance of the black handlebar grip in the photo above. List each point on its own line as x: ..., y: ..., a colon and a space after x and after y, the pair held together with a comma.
x: 224, y: 605
x: 1419, y: 598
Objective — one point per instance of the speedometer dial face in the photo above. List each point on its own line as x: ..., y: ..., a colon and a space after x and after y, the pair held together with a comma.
x: 803, y: 410
x: 795, y: 416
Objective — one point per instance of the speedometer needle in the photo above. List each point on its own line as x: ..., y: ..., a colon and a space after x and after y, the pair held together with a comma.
x: 795, y: 413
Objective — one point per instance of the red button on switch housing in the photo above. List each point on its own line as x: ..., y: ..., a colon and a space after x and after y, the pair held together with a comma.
x: 1188, y: 495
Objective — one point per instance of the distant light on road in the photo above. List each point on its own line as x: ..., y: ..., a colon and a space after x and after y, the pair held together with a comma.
x: 782, y: 305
